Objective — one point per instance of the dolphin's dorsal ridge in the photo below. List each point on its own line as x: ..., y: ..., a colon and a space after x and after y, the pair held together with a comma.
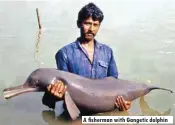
x: 73, y: 110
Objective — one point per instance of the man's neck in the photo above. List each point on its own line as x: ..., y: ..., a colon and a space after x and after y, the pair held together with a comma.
x: 87, y: 44
x: 89, y: 47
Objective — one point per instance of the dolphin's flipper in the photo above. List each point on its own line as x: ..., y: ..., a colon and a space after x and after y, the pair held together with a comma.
x: 71, y: 107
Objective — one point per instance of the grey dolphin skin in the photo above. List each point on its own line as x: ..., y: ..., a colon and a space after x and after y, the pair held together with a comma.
x: 83, y: 94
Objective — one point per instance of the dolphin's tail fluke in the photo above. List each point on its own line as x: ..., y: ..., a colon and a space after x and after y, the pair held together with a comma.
x: 152, y: 88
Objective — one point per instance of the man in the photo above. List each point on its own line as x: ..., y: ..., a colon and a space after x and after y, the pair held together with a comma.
x: 86, y: 57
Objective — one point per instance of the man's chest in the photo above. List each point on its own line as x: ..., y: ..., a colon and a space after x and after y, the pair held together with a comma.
x: 90, y: 55
x: 91, y: 64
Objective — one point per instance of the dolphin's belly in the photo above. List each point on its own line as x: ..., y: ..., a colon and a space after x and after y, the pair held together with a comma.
x: 94, y: 103
x: 100, y: 95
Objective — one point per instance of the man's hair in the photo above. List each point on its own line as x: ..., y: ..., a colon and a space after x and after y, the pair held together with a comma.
x: 90, y: 10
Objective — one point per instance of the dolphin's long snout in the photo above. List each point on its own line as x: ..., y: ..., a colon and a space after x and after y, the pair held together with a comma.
x: 14, y: 91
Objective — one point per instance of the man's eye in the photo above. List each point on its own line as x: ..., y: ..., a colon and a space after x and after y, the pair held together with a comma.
x: 87, y: 24
x: 96, y: 25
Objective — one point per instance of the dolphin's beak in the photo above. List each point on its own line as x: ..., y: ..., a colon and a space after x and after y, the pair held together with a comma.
x: 17, y: 90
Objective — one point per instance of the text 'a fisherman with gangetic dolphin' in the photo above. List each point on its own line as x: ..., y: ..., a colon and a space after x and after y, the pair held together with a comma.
x: 127, y: 119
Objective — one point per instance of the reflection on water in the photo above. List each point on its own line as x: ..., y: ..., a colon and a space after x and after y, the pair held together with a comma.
x: 148, y: 111
x: 37, y: 44
x: 36, y: 53
x: 51, y: 118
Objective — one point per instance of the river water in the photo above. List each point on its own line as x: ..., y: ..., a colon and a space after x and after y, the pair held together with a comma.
x: 140, y: 32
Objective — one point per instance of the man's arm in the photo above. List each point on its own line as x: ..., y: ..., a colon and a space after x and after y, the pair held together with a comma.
x: 51, y: 97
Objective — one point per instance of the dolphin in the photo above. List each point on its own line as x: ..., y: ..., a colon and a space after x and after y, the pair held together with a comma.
x: 83, y: 94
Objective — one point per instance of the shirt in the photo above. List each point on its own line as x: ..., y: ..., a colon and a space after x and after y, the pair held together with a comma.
x: 74, y: 58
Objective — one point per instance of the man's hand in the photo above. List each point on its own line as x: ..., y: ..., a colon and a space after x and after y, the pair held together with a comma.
x: 121, y: 104
x: 57, y: 89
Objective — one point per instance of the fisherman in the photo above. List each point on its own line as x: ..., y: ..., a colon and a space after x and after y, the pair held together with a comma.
x: 86, y: 57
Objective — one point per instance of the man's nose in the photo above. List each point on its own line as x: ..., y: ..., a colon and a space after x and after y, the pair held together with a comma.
x: 91, y: 28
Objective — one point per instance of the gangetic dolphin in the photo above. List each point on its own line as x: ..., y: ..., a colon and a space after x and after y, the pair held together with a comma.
x: 83, y: 94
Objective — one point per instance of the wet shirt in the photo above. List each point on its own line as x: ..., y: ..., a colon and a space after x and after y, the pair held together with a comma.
x: 74, y: 58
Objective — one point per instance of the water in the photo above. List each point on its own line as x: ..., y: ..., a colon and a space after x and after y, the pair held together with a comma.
x: 141, y: 34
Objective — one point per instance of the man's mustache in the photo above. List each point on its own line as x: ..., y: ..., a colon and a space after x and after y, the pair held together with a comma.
x: 90, y: 33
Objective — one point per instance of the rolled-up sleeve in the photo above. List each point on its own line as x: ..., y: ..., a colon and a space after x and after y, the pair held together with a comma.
x: 112, y: 68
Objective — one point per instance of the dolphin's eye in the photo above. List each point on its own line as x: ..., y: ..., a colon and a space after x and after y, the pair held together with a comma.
x: 36, y: 81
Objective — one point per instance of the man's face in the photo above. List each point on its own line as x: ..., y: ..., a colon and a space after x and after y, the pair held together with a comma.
x: 89, y: 28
